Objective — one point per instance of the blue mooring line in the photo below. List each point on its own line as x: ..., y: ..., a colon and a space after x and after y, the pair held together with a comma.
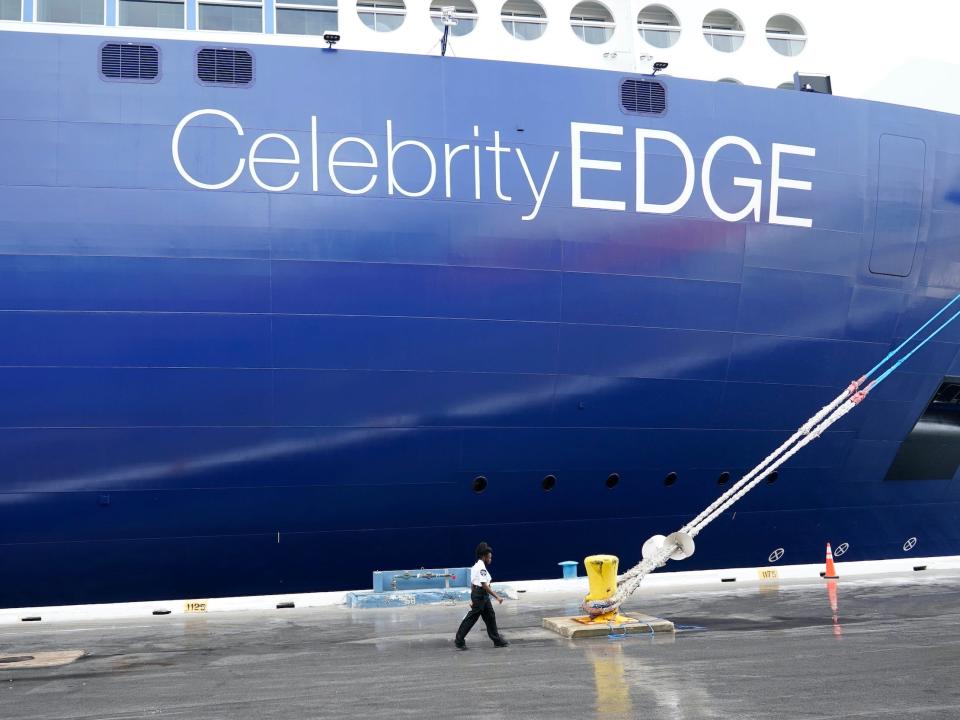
x: 907, y: 341
x: 650, y: 633
x: 923, y: 342
x: 621, y: 635
x: 688, y: 628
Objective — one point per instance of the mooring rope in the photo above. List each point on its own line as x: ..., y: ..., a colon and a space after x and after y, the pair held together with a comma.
x: 658, y: 549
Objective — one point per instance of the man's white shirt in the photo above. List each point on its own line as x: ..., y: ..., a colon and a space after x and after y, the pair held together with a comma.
x: 479, y: 574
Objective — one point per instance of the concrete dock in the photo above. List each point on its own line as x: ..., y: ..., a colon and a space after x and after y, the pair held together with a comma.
x: 885, y: 647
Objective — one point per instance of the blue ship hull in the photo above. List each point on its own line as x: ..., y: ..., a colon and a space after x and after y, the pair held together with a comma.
x: 216, y: 392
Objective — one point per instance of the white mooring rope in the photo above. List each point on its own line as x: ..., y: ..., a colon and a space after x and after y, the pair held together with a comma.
x: 658, y: 549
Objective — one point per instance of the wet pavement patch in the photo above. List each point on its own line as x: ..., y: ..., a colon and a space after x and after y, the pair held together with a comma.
x: 885, y: 647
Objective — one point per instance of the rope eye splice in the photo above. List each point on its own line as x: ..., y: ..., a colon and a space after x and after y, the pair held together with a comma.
x: 658, y: 549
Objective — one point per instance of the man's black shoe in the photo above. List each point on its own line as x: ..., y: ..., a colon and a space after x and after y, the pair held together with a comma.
x: 460, y: 646
x: 501, y: 644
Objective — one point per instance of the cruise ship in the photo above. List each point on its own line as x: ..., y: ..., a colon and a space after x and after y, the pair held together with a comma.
x: 295, y: 291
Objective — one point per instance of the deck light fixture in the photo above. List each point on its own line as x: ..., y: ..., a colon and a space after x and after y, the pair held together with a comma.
x: 658, y: 66
x: 331, y: 39
x: 448, y: 15
x: 813, y: 82
x: 448, y: 19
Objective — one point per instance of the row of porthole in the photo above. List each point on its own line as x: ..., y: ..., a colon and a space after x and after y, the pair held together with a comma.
x: 549, y: 482
x: 593, y: 23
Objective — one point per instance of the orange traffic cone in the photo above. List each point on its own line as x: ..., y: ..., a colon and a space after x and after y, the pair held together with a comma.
x: 831, y: 571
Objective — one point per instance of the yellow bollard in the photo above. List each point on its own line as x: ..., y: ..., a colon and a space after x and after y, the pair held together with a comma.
x: 601, y: 575
x: 602, y: 579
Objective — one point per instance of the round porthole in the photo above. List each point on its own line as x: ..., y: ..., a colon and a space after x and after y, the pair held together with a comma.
x: 786, y: 35
x: 592, y: 22
x: 479, y: 484
x: 613, y: 479
x: 772, y: 477
x: 658, y: 26
x: 723, y: 479
x: 549, y: 483
x: 524, y: 19
x: 382, y: 15
x: 723, y: 30
x: 670, y: 479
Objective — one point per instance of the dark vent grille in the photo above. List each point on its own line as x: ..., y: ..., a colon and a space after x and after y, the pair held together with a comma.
x: 643, y: 96
x: 129, y: 62
x: 224, y: 66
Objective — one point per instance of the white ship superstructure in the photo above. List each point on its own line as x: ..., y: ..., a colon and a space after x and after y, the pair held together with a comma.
x: 872, y: 50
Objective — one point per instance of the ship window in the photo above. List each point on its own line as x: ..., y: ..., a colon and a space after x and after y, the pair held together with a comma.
x: 658, y: 26
x: 613, y: 479
x: 465, y: 13
x: 786, y: 35
x: 224, y: 66
x: 724, y: 478
x: 772, y: 477
x: 592, y: 23
x: 932, y: 449
x: 9, y: 9
x: 382, y: 15
x: 127, y: 61
x: 733, y: 81
x: 549, y: 483
x: 306, y: 17
x: 86, y: 12
x: 152, y: 13
x: 524, y: 19
x: 723, y: 30
x: 479, y: 484
x: 235, y: 16
x: 670, y: 479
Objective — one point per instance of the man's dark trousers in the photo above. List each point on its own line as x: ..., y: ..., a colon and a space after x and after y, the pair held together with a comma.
x: 480, y: 606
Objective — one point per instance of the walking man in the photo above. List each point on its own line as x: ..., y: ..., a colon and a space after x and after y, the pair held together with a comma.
x: 480, y: 605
